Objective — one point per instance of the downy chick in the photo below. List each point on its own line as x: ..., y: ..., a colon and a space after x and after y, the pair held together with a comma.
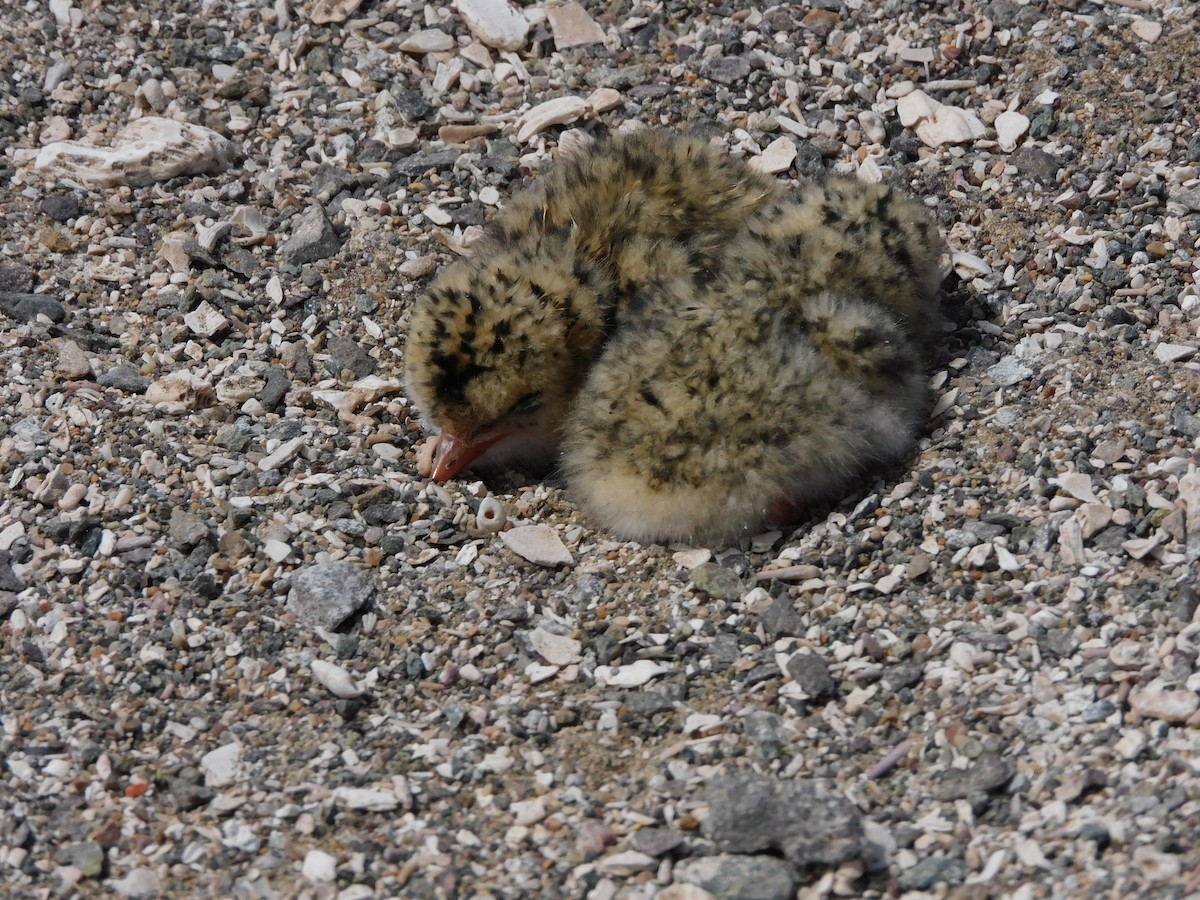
x: 700, y: 346
x: 501, y: 342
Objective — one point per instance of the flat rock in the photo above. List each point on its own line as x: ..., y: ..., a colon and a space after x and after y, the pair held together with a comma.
x: 727, y: 877
x: 726, y: 69
x: 1170, y: 353
x: 27, y: 307
x: 776, y: 157
x: 326, y: 11
x: 147, y: 150
x: 1009, y: 371
x: 987, y: 774
x: 428, y: 40
x: 538, y: 544
x: 753, y: 813
x: 556, y: 649
x: 126, y: 379
x: 494, y: 22
x: 572, y: 26
x: 326, y: 594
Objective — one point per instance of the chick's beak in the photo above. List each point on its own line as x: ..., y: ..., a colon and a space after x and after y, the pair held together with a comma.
x: 455, y: 453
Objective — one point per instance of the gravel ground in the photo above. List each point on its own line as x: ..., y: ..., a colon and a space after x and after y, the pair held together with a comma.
x: 249, y: 652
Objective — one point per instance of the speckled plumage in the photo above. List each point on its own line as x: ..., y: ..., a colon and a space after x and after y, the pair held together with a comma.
x: 692, y: 343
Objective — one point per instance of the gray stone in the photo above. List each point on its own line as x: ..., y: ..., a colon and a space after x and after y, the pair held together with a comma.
x: 27, y: 307
x: 739, y: 877
x: 185, y: 795
x: 717, y: 581
x: 726, y: 69
x: 187, y: 529
x: 1009, y: 371
x: 8, y: 578
x: 1037, y: 164
x: 87, y: 857
x: 346, y: 355
x: 765, y: 730
x: 932, y: 870
x: 15, y: 279
x: 61, y: 207
x: 781, y: 618
x: 987, y: 774
x: 1060, y: 643
x: 811, y: 672
x: 753, y: 813
x: 276, y: 388
x: 327, y: 594
x: 126, y: 379
x: 312, y: 239
x: 655, y: 841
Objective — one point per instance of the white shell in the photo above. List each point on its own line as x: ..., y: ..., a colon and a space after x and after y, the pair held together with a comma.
x: 559, y: 111
x: 335, y: 679
x: 491, y: 516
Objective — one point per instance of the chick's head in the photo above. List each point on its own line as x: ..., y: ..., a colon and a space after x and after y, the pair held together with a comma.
x: 497, y: 349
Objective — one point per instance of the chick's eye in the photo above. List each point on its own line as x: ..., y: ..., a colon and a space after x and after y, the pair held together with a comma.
x: 528, y: 404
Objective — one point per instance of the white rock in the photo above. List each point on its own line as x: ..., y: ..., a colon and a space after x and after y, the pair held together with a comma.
x: 145, y: 151
x: 179, y: 391
x: 604, y: 99
x: 494, y: 22
x: 206, y: 320
x: 429, y: 40
x: 689, y: 559
x: 326, y: 11
x: 283, y: 454
x: 1078, y: 485
x: 172, y: 253
x: 643, y: 671
x: 936, y: 123
x: 559, y: 111
x: 1127, y: 655
x: 537, y: 543
x: 221, y: 765
x: 138, y: 883
x: 61, y: 10
x: 1147, y: 29
x: 1157, y: 702
x: 572, y: 26
x: 528, y: 812
x: 365, y: 798
x: 1139, y: 548
x: 556, y: 649
x: 437, y: 215
x: 1094, y: 518
x: 776, y: 157
x: 319, y: 867
x: 336, y: 680
x: 487, y: 195
x: 1010, y: 127
x: 968, y: 265
x: 276, y: 550
x: 1131, y: 744
x: 625, y: 863
x: 1170, y: 353
x: 239, y: 388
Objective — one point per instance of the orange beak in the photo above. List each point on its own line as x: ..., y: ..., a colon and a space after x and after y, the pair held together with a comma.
x: 455, y: 453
